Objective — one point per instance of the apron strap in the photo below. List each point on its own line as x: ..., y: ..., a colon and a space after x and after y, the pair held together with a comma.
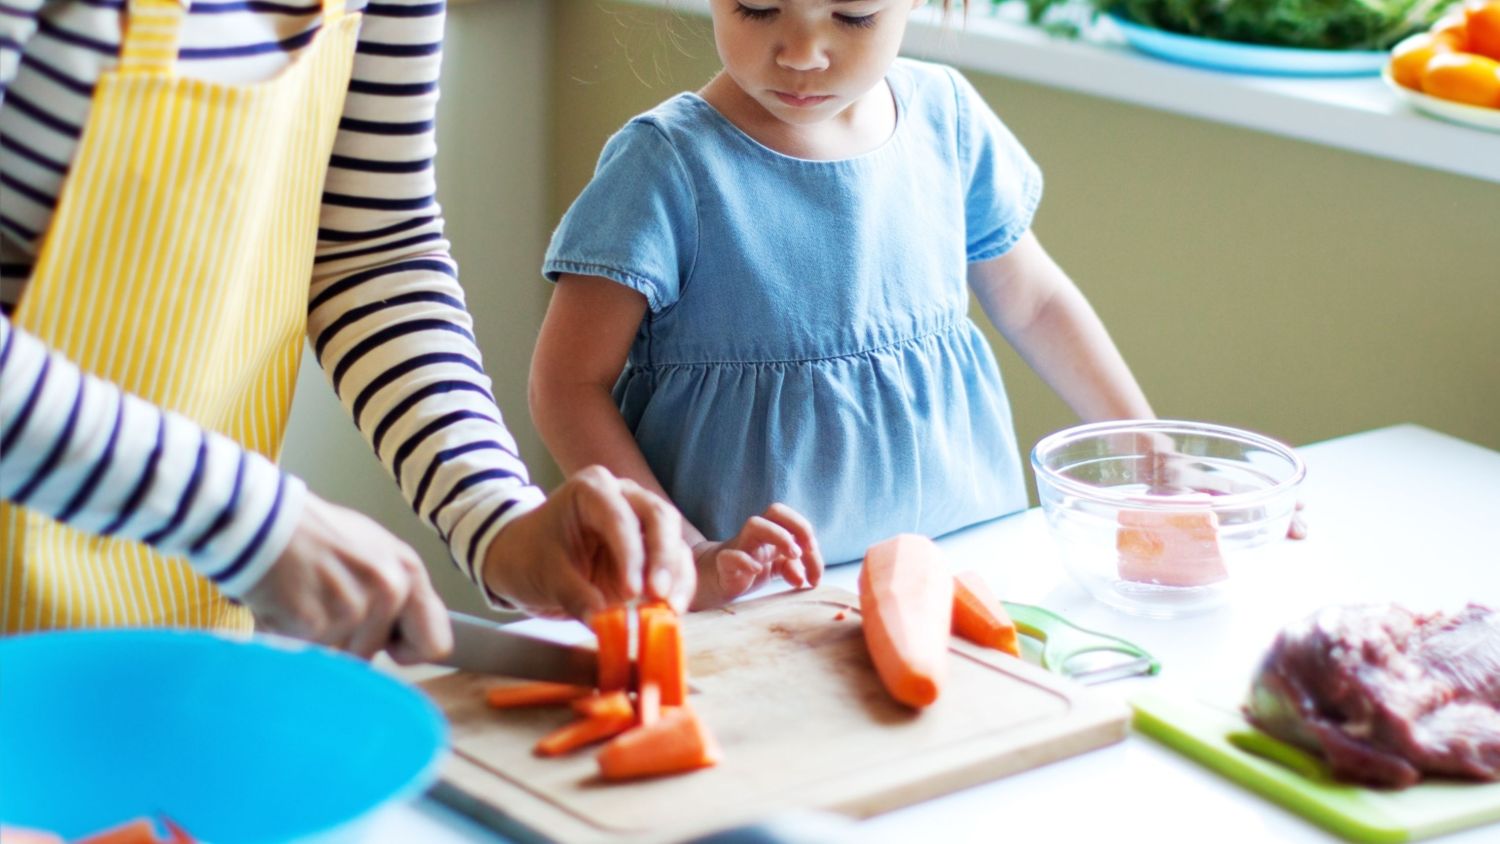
x: 153, y: 31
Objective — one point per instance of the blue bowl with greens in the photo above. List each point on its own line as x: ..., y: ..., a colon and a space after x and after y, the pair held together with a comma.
x: 1238, y: 57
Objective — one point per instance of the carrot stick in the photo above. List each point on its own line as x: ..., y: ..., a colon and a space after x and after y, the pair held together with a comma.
x: 662, y: 660
x: 612, y: 627
x: 676, y: 743
x: 906, y: 599
x: 596, y: 705
x: 978, y: 617
x: 533, y: 694
x: 137, y: 831
x: 570, y: 737
x: 648, y: 700
x: 26, y: 835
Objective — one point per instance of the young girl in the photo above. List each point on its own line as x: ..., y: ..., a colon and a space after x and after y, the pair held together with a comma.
x: 780, y: 264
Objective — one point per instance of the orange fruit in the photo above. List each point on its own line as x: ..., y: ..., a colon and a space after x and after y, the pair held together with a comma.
x: 1463, y: 78
x: 1453, y: 26
x: 1409, y: 58
x: 1482, y: 22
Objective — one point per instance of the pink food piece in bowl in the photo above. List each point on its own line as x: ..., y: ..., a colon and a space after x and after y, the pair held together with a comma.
x: 1170, y: 547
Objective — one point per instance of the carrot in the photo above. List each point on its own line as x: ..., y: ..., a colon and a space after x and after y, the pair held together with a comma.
x: 906, y: 598
x: 1170, y: 548
x: 25, y: 835
x: 595, y: 705
x: 588, y: 730
x: 179, y: 835
x: 649, y: 703
x: 612, y: 627
x: 676, y: 743
x: 662, y: 659
x: 533, y: 694
x: 978, y: 617
x: 137, y: 831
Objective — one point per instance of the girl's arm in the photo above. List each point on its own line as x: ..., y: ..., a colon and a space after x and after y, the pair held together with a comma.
x: 1047, y: 320
x: 580, y: 352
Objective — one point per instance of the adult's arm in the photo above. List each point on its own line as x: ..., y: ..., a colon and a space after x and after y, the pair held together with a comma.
x: 387, y: 317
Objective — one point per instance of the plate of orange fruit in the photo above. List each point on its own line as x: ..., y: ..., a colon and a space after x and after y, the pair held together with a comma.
x: 1452, y: 70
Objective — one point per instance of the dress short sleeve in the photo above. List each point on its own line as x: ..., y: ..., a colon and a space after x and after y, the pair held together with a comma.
x: 635, y: 222
x: 1004, y: 186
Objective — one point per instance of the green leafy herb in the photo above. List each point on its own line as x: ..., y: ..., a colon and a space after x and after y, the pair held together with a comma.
x: 1315, y: 24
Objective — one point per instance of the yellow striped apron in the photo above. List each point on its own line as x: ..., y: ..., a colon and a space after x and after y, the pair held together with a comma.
x: 177, y: 266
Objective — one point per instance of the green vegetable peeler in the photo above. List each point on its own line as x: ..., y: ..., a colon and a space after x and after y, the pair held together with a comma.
x: 1063, y: 641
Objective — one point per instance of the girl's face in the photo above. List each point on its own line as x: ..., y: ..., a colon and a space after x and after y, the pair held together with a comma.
x: 805, y: 61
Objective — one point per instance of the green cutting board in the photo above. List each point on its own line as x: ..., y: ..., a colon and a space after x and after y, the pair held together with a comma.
x: 1299, y: 781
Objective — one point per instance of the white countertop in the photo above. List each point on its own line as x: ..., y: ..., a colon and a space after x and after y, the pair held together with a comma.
x: 1398, y: 514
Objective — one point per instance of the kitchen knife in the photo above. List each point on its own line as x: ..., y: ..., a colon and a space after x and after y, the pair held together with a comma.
x: 484, y: 647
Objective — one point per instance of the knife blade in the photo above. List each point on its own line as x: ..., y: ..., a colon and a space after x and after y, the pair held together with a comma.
x: 484, y: 647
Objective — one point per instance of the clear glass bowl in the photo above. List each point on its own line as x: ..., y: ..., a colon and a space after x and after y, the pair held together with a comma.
x: 1157, y: 517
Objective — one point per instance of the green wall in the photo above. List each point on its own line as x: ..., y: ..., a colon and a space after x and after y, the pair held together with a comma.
x: 1252, y: 280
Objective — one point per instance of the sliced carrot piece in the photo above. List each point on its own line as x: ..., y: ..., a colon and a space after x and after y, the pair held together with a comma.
x: 533, y: 694
x: 137, y: 831
x: 614, y: 703
x: 662, y: 661
x: 649, y: 703
x: 612, y: 627
x: 179, y: 835
x: 570, y: 737
x: 1170, y: 548
x: 26, y: 835
x: 979, y: 617
x: 676, y: 743
x: 906, y: 599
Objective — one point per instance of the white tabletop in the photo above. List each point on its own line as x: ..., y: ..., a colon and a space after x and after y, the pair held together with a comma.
x: 1398, y: 514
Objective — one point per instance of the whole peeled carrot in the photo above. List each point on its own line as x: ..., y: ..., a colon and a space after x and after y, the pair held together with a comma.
x: 906, y: 600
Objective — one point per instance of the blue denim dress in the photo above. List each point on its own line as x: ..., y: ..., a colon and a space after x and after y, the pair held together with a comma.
x: 807, y: 337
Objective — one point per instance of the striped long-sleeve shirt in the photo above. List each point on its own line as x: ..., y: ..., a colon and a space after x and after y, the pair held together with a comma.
x: 386, y: 316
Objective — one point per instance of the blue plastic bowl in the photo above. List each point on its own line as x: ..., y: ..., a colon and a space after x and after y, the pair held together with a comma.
x: 238, y: 740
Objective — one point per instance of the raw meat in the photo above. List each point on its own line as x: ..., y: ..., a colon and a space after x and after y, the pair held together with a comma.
x: 1386, y: 695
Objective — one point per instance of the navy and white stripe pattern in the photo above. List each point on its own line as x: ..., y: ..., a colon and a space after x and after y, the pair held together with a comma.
x: 79, y: 450
x: 386, y: 315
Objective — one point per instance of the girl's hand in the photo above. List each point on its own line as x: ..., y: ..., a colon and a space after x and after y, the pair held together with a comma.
x: 777, y: 542
x: 1298, y: 528
x: 1173, y: 473
x: 597, y: 541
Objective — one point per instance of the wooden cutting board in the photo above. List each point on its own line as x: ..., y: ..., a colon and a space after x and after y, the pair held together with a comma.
x: 788, y: 689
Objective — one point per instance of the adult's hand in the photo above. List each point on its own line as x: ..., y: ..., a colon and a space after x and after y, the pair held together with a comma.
x: 347, y: 582
x: 597, y: 541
